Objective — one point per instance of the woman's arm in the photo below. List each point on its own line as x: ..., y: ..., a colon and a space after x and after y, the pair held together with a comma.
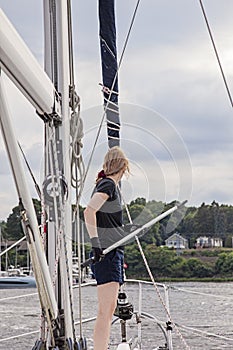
x: 96, y: 202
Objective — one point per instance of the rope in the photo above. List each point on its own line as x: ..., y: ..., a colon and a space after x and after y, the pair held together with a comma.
x: 159, y: 294
x: 76, y: 124
x: 70, y: 39
x: 37, y: 187
x: 108, y: 91
x: 185, y: 328
x: 42, y: 292
x: 18, y: 336
x: 200, y: 293
x: 61, y: 236
x: 54, y: 168
x: 18, y: 296
x: 216, y: 53
x: 80, y: 277
x: 152, y: 278
x: 76, y: 132
x: 206, y: 334
x: 35, y: 332
x: 53, y: 40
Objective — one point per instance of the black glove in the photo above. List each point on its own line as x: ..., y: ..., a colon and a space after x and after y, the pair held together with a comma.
x: 131, y: 227
x: 96, y: 249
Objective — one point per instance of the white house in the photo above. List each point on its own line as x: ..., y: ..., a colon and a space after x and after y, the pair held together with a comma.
x: 209, y: 242
x: 176, y: 241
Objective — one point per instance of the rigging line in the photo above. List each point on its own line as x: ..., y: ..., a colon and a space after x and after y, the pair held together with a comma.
x: 122, y: 56
x: 59, y: 218
x: 76, y: 132
x: 45, y: 300
x: 19, y: 296
x: 152, y: 277
x: 53, y: 23
x: 70, y: 39
x: 200, y: 293
x: 74, y: 98
x: 122, y: 53
x: 19, y: 336
x: 205, y: 334
x: 108, y: 101
x: 31, y: 173
x: 216, y: 53
x: 159, y: 294
x: 80, y: 277
x: 55, y: 180
x: 121, y: 59
x: 111, y: 91
x: 12, y: 246
x: 129, y: 32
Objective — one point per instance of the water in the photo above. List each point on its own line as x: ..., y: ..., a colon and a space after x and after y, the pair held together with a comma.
x: 209, y: 311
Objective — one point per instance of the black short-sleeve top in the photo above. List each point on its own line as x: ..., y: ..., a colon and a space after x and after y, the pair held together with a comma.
x: 109, y: 217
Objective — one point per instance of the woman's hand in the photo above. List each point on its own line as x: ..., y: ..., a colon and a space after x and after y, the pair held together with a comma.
x: 96, y: 249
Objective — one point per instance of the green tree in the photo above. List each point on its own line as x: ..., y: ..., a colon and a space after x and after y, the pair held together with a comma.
x: 187, y: 224
x: 161, y: 260
x: 228, y: 241
x: 203, y: 220
x: 13, y: 228
x: 196, y: 268
x: 3, y: 228
x: 228, y: 211
x: 134, y: 261
x: 140, y: 215
x: 224, y: 264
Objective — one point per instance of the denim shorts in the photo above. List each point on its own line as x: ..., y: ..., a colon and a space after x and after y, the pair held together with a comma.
x: 110, y: 268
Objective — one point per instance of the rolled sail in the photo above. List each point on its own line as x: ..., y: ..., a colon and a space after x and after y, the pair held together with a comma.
x: 109, y: 69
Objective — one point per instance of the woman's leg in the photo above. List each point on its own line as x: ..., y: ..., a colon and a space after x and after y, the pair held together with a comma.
x: 107, y: 300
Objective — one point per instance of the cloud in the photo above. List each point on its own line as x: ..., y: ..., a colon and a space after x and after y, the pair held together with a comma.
x: 212, y: 178
x: 169, y: 66
x: 8, y: 196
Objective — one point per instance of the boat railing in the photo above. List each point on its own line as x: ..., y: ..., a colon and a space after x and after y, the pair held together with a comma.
x: 146, y: 317
x: 138, y: 315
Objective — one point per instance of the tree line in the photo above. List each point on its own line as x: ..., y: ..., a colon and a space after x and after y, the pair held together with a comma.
x: 214, y: 220
x: 166, y: 263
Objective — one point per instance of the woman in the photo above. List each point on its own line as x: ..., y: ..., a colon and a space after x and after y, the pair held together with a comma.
x: 104, y: 221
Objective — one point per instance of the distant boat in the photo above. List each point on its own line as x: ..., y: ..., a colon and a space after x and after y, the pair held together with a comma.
x: 15, y: 278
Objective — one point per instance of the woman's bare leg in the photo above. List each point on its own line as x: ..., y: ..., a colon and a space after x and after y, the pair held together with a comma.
x: 107, y: 299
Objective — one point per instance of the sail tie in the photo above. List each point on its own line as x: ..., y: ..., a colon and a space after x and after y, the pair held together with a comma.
x: 108, y: 91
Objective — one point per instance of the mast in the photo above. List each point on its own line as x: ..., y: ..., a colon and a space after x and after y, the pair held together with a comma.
x: 57, y: 183
x: 108, y: 47
x: 54, y: 98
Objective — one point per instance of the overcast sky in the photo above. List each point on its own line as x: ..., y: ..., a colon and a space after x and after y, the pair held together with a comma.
x: 177, y: 121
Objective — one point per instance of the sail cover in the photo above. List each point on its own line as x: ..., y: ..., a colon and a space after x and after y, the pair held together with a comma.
x: 108, y: 48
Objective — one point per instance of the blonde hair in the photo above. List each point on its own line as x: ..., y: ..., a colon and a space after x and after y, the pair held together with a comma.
x: 115, y: 161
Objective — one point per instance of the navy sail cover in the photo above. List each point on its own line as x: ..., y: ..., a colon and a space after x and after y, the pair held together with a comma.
x: 107, y: 32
